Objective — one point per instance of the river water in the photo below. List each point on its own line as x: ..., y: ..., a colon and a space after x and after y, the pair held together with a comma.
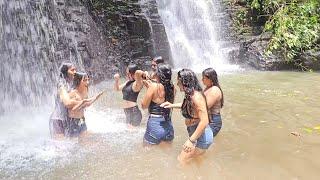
x: 261, y: 110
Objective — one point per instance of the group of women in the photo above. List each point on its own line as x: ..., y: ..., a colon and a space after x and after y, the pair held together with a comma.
x: 200, y: 108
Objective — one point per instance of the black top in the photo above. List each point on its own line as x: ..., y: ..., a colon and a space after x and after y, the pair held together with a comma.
x: 187, y: 110
x: 155, y: 108
x: 128, y: 93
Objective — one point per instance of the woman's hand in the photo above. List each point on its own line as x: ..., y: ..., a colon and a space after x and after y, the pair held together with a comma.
x: 166, y: 105
x: 146, y: 83
x: 100, y: 94
x: 145, y: 75
x: 188, y: 146
x: 116, y: 77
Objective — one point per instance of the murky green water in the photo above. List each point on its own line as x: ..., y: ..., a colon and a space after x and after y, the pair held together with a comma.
x: 261, y: 110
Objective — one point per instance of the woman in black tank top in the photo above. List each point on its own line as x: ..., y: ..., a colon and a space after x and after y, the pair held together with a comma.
x: 130, y: 91
x: 194, y: 110
x: 159, y: 126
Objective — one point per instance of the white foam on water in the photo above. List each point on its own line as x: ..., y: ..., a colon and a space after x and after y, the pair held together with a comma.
x: 25, y: 143
x: 105, y: 121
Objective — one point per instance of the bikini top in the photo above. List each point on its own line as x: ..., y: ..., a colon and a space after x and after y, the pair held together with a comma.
x: 187, y: 110
x: 155, y: 108
x: 128, y: 93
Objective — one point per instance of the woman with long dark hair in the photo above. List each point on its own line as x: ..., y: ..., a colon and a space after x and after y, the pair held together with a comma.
x: 130, y: 90
x: 159, y: 126
x: 75, y: 124
x: 59, y: 115
x: 214, y: 96
x: 194, y: 110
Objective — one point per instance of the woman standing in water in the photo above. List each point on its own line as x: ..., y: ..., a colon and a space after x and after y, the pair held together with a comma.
x: 58, y: 117
x: 194, y: 110
x: 214, y: 96
x: 159, y: 126
x: 130, y: 90
x: 76, y: 124
x: 154, y: 63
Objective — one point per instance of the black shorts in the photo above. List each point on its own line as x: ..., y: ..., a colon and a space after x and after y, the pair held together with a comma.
x: 133, y: 115
x: 75, y: 126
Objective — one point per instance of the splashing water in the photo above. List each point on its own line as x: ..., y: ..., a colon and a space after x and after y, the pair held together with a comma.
x: 33, y: 42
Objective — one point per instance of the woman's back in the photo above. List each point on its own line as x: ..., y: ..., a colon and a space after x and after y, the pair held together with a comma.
x: 158, y: 95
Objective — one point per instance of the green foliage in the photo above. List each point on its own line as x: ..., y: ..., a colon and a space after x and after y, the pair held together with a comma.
x: 295, y: 27
x: 240, y: 18
x: 294, y: 24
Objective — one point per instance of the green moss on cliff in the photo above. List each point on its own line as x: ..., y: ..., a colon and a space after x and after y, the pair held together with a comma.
x: 294, y: 24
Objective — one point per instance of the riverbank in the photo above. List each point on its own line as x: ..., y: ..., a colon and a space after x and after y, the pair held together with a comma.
x: 273, y: 35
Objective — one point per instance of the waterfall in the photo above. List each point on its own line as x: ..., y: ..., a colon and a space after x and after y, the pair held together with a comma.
x: 196, y: 33
x: 32, y: 46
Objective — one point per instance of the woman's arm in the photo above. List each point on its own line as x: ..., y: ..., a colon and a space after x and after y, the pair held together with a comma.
x: 170, y: 105
x: 148, y: 96
x: 201, y: 109
x: 117, y: 85
x: 66, y: 99
x: 87, y: 102
x: 213, y: 95
x: 138, y: 84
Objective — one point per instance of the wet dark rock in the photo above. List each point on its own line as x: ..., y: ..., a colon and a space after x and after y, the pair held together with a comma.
x: 252, y: 42
x: 251, y: 53
x: 311, y: 59
x: 128, y: 33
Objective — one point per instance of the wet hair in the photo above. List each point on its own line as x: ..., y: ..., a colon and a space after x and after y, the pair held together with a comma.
x: 65, y: 66
x: 211, y: 74
x: 132, y: 68
x: 78, y: 76
x: 189, y: 81
x: 164, y: 73
x: 158, y: 60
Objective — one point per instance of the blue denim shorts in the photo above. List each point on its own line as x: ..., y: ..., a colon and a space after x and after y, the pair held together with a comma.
x: 216, y: 123
x: 205, y: 140
x: 158, y: 129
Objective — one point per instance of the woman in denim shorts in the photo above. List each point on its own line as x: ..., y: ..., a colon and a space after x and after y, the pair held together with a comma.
x: 214, y: 96
x: 194, y: 110
x: 159, y: 126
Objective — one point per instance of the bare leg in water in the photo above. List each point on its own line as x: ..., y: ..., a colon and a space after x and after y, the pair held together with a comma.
x: 185, y: 157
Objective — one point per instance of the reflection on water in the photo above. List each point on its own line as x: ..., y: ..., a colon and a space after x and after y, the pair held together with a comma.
x: 261, y: 110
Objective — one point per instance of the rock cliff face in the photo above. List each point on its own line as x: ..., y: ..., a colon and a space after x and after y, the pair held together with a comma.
x: 133, y: 31
x: 99, y: 36
x: 110, y: 34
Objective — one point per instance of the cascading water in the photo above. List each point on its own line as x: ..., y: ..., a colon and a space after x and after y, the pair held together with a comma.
x: 34, y: 40
x: 195, y: 33
x: 28, y: 72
